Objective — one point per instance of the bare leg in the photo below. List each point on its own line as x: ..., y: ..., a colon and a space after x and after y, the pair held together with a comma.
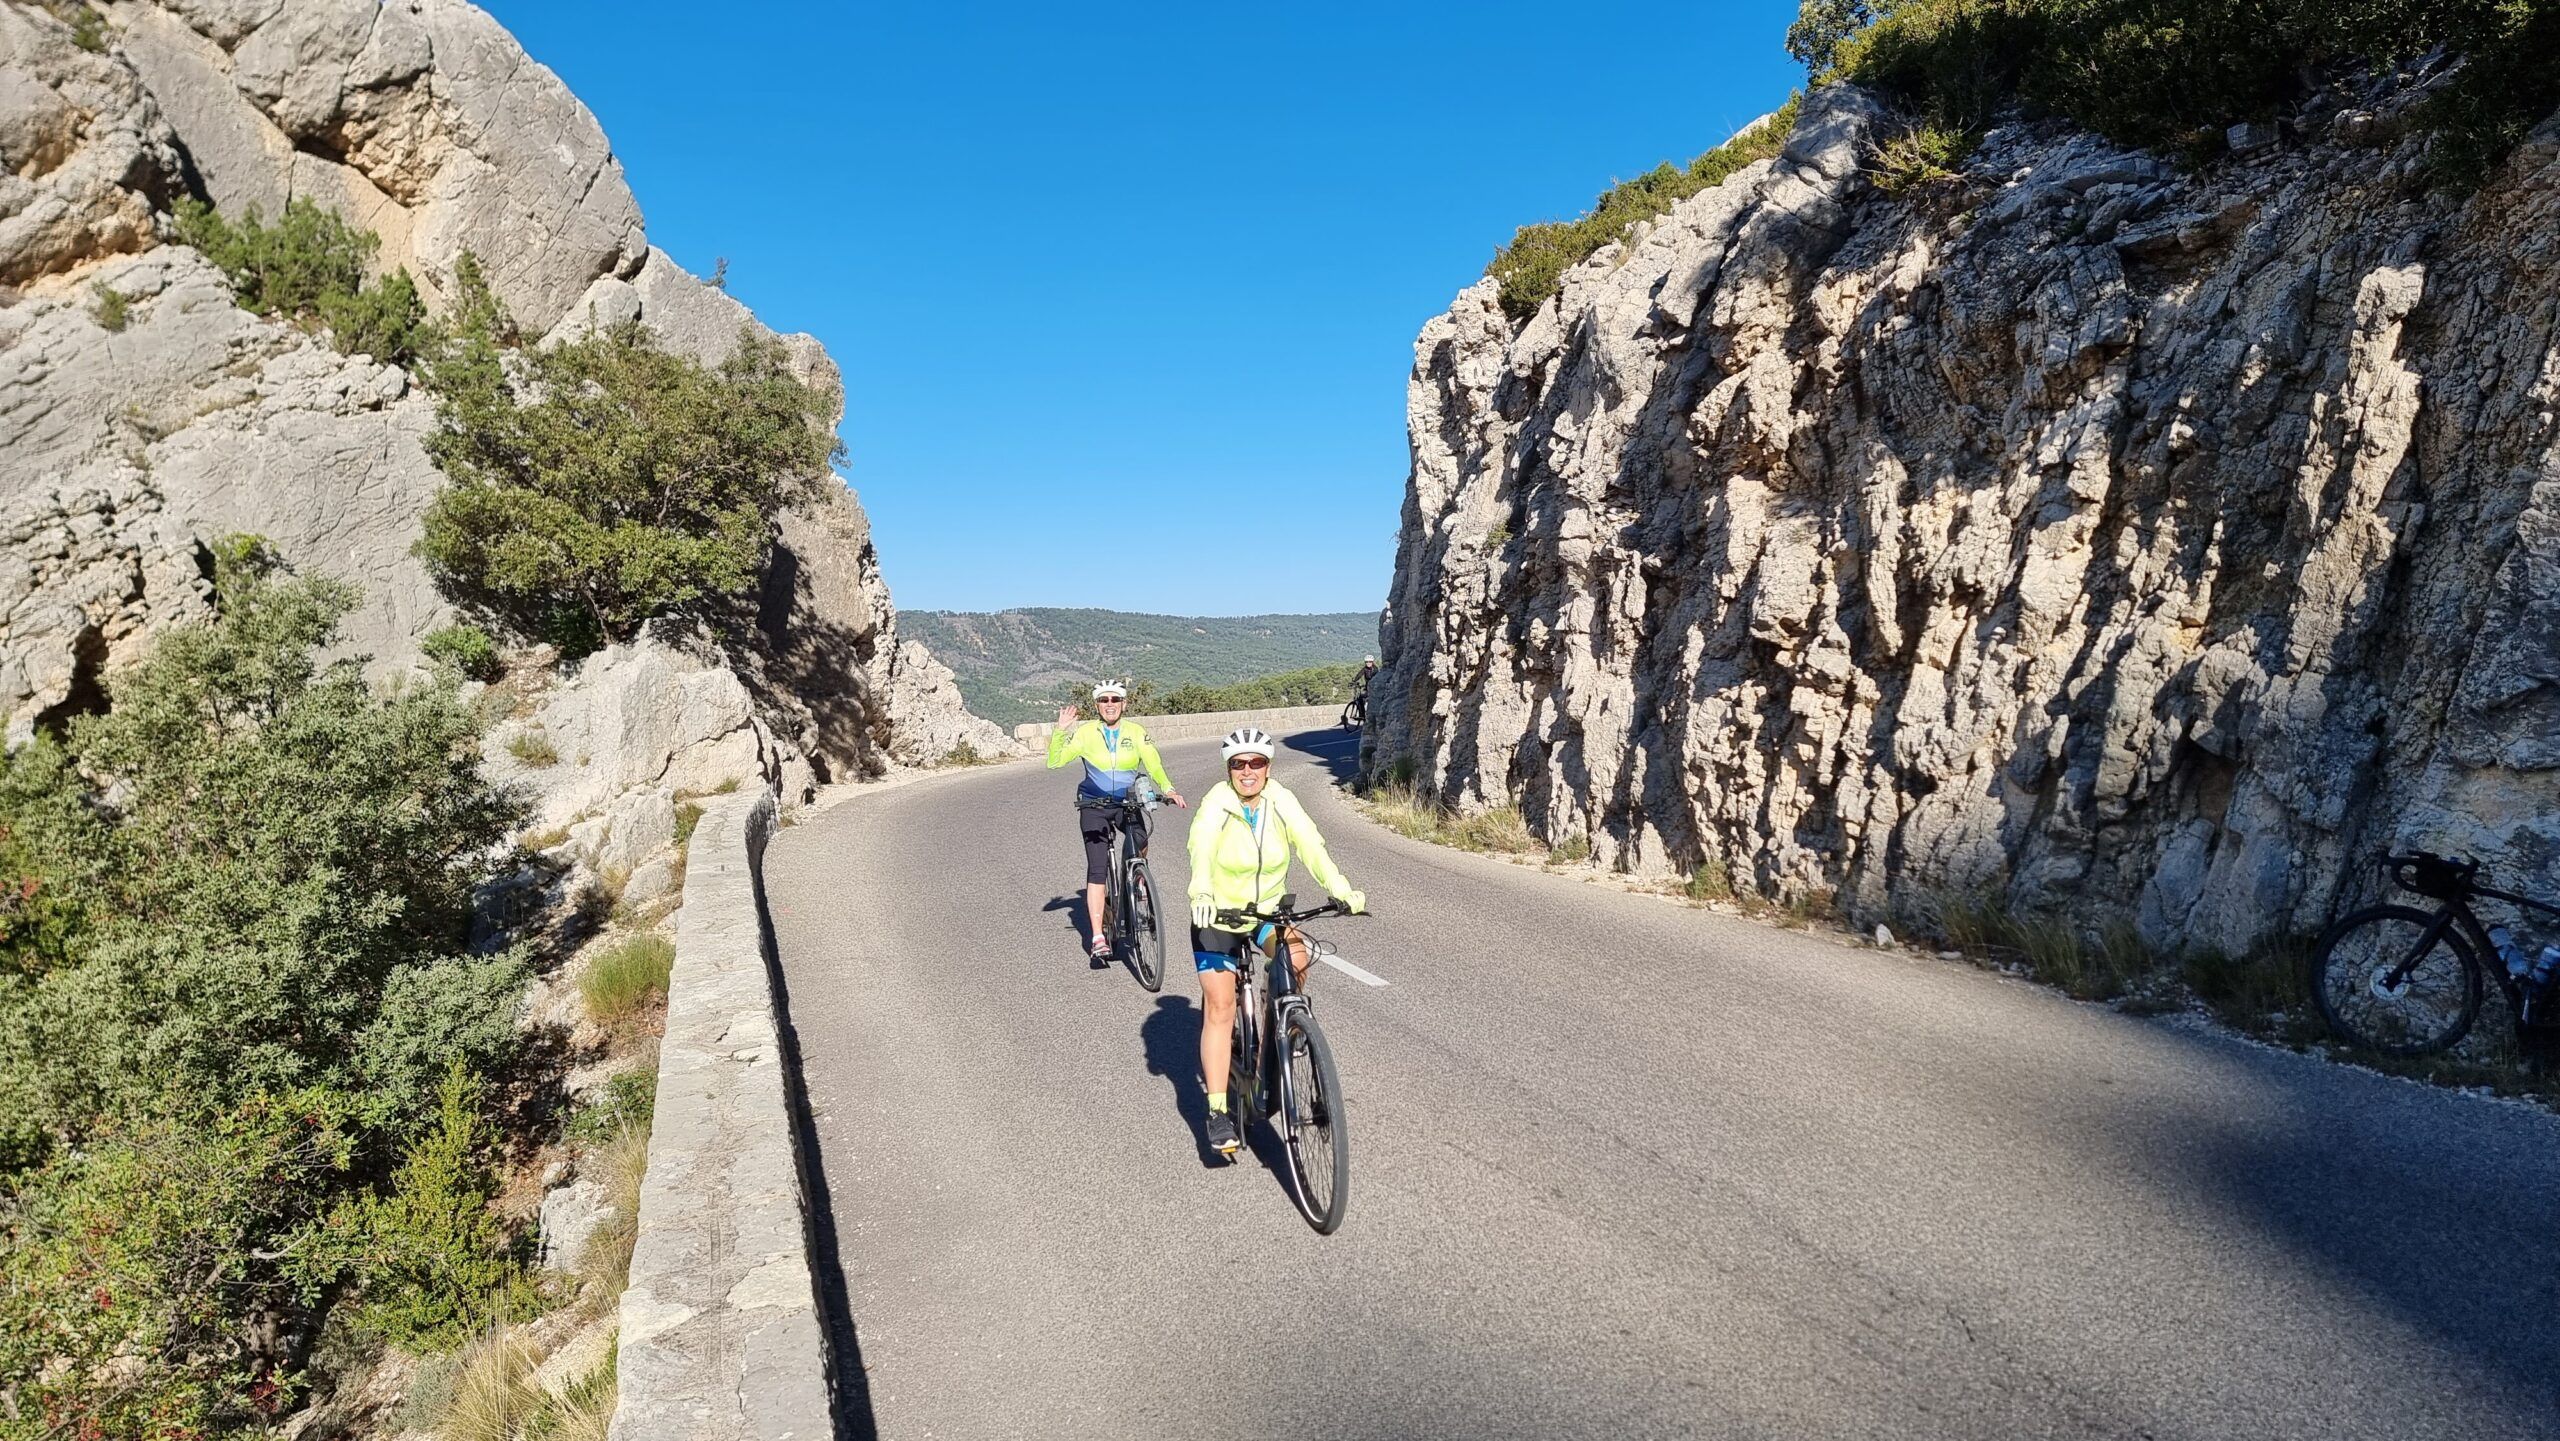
x: 1093, y: 911
x: 1217, y: 1019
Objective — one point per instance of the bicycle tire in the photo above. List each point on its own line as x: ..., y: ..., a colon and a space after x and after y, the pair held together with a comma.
x: 2430, y: 1010
x: 1243, y: 1056
x: 1319, y: 1142
x: 1144, y: 927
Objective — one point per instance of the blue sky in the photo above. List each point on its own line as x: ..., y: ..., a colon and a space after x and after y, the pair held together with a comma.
x: 1125, y: 295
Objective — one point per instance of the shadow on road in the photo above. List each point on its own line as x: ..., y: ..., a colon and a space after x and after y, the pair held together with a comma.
x: 1170, y: 1036
x: 1337, y: 750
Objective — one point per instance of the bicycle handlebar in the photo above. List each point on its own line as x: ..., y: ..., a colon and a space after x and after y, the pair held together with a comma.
x: 1283, y: 916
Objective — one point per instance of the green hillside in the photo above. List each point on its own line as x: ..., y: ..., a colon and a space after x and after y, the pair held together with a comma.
x: 1013, y: 664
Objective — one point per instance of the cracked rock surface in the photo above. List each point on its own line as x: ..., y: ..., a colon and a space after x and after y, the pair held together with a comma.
x: 2153, y: 545
x: 133, y: 435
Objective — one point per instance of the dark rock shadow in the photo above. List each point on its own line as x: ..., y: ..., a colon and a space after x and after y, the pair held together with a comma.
x: 1337, y: 750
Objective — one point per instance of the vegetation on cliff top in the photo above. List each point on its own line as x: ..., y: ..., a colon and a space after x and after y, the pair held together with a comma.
x: 2174, y: 74
x: 1532, y: 266
x: 2171, y: 74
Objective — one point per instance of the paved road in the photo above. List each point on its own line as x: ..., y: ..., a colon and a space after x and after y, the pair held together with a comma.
x: 1621, y: 1169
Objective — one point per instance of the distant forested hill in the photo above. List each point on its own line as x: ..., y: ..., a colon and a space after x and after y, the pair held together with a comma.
x: 1012, y: 664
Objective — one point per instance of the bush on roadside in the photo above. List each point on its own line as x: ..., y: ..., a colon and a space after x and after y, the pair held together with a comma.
x: 234, y: 964
x: 432, y: 1257
x: 598, y: 483
x: 628, y: 980
x: 136, y: 1274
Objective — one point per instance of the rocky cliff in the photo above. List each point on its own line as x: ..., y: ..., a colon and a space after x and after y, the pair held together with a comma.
x: 129, y: 441
x: 2149, y: 543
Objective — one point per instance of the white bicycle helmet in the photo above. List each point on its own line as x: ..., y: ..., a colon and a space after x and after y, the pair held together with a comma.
x: 1110, y: 690
x: 1246, y: 741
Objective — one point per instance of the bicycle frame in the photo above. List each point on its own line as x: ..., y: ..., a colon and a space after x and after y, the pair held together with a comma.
x: 2457, y: 910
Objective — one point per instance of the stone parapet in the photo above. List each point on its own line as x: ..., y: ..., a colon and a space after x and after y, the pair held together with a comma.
x: 721, y: 1338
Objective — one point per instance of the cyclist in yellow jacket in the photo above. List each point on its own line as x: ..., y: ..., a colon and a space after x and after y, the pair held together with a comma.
x: 1113, y: 751
x: 1248, y: 827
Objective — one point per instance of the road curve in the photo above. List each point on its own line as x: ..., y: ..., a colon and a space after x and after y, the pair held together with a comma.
x: 1621, y: 1169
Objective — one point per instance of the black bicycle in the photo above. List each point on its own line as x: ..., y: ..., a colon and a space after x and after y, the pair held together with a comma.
x: 1356, y: 714
x: 1129, y: 915
x: 2410, y: 982
x: 1293, y: 1084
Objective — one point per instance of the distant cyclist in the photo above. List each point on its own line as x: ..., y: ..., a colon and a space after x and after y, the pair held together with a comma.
x: 1357, y: 713
x: 1241, y: 841
x: 1113, y: 751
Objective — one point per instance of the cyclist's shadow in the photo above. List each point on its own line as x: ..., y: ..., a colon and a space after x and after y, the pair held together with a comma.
x: 1171, y: 1037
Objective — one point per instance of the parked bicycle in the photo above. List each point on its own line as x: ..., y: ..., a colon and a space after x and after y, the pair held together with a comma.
x: 1129, y: 915
x: 2410, y: 982
x: 1292, y: 1082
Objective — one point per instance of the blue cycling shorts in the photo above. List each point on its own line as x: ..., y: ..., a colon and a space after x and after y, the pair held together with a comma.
x: 1222, y: 950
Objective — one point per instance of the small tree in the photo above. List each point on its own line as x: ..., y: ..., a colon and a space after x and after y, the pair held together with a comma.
x: 607, y: 480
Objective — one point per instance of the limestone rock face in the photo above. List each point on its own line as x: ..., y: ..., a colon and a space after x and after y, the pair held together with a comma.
x: 133, y: 434
x: 2160, y: 546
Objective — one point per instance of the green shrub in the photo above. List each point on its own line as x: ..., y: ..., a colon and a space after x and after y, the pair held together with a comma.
x: 466, y: 648
x: 533, y: 748
x: 688, y: 815
x: 2175, y: 73
x: 115, y: 308
x: 1531, y: 268
x: 1572, y: 850
x: 613, y: 481
x: 1711, y: 881
x: 627, y: 1102
x: 128, y: 1267
x: 267, y: 844
x: 1310, y: 685
x: 429, y: 1255
x: 310, y: 266
x: 628, y: 980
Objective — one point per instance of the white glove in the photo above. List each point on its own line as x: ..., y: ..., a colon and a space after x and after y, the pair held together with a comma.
x: 1356, y: 901
x: 1204, y: 912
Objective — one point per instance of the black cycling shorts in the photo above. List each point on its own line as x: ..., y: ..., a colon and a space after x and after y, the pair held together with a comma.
x: 1096, y: 825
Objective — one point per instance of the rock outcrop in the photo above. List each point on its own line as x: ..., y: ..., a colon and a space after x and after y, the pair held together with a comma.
x: 2152, y: 544
x: 144, y: 414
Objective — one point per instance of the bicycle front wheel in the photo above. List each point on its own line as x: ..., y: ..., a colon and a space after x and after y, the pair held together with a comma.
x: 2390, y: 979
x: 1145, y: 928
x: 1319, y: 1146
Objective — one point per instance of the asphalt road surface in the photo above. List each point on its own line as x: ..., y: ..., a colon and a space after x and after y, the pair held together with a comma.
x: 1620, y: 1169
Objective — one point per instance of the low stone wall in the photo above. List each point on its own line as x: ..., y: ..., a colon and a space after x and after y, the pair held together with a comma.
x: 721, y: 1338
x: 1209, y: 724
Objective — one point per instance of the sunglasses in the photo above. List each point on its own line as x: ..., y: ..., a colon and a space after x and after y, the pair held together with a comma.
x: 1249, y: 763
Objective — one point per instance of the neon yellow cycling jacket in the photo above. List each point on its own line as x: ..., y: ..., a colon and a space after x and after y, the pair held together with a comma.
x: 1111, y: 758
x: 1238, y: 864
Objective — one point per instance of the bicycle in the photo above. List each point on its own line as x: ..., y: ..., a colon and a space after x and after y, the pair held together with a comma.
x: 1294, y: 1084
x: 2410, y: 982
x: 1356, y: 714
x: 1129, y: 914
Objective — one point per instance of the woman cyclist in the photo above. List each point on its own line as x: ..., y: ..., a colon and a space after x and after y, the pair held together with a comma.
x: 1113, y: 752
x: 1242, y: 837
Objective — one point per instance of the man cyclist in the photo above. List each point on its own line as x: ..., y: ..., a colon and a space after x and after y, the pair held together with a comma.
x: 1113, y: 751
x: 1248, y: 827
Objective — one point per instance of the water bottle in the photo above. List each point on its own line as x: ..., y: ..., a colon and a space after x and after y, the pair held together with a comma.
x: 2543, y: 966
x: 2505, y: 941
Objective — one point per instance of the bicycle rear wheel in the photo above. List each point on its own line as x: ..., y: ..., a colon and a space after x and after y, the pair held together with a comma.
x: 1144, y: 928
x: 2376, y: 990
x: 1319, y: 1146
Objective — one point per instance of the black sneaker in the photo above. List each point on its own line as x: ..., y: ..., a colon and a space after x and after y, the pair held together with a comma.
x: 1222, y: 1133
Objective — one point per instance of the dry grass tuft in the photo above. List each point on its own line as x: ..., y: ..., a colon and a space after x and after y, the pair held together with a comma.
x: 628, y: 982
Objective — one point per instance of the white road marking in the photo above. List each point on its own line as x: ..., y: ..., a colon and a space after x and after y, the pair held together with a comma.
x: 1348, y: 969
